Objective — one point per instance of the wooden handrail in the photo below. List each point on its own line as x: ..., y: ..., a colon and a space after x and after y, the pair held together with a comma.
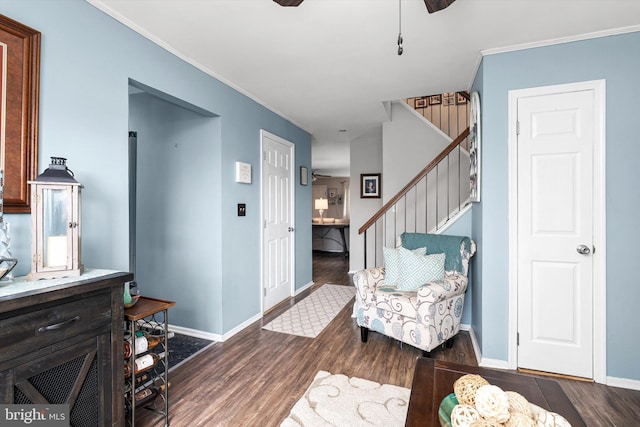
x: 414, y: 181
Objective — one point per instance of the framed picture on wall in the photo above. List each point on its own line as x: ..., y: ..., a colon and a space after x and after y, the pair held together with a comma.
x: 448, y: 98
x: 435, y: 100
x: 19, y: 97
x: 370, y: 185
x: 421, y: 102
x: 303, y: 176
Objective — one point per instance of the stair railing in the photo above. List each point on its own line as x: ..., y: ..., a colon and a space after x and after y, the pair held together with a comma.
x: 437, y: 193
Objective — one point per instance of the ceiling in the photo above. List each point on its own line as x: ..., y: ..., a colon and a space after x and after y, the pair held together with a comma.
x: 328, y: 65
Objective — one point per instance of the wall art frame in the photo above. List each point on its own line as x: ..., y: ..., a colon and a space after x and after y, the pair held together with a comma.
x: 435, y: 99
x: 304, y: 176
x: 461, y: 98
x: 370, y: 185
x: 448, y: 98
x: 20, y: 83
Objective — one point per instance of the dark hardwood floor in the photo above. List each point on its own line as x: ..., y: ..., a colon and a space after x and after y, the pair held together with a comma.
x: 255, y: 377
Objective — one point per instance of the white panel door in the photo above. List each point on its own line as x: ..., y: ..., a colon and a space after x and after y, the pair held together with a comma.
x: 555, y: 232
x: 277, y: 213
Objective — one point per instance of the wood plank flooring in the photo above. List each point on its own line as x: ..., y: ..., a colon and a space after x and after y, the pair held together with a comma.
x: 255, y: 377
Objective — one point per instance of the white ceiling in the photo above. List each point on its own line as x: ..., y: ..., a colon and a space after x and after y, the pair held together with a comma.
x: 328, y: 65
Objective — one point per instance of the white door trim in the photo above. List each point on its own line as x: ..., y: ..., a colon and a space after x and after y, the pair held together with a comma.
x: 599, y: 221
x: 292, y: 263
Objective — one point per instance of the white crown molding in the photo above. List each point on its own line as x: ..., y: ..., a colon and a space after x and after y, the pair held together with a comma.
x: 561, y: 40
x: 144, y: 33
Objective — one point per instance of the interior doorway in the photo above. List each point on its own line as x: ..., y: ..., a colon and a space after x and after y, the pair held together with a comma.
x: 172, y: 159
x: 278, y: 247
x: 557, y: 202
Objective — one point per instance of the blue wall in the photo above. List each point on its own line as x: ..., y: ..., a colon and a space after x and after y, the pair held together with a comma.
x: 86, y: 62
x: 617, y: 60
x: 176, y: 233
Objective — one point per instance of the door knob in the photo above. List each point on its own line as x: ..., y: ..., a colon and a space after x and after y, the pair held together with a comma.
x: 291, y: 229
x: 583, y: 249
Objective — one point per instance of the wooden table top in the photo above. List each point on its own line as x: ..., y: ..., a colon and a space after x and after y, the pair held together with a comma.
x: 433, y: 381
x: 146, y: 306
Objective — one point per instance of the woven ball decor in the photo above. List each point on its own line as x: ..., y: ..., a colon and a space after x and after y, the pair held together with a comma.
x: 484, y: 405
x: 466, y: 386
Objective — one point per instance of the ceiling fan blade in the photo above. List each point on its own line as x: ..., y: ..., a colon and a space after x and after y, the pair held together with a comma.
x: 436, y: 5
x: 289, y: 2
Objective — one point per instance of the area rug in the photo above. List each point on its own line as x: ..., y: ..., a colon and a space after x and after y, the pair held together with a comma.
x: 311, y: 315
x: 182, y: 348
x: 337, y: 400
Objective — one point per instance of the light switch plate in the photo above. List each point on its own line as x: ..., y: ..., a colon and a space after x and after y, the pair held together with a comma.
x: 243, y: 172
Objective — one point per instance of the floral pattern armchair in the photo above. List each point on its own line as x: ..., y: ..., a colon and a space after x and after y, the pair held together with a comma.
x: 424, y: 318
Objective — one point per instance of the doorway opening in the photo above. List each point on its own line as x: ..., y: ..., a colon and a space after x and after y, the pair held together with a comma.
x: 174, y: 155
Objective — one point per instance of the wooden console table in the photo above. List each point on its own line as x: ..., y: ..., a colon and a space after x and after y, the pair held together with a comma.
x: 61, y: 341
x: 433, y: 381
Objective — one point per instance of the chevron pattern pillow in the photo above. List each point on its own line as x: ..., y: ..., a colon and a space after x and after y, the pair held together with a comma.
x: 416, y: 270
x: 392, y: 264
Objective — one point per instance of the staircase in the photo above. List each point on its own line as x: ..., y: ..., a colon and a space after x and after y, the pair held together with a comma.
x: 428, y: 203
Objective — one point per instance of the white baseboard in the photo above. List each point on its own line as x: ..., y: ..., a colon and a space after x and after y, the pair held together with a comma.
x: 623, y: 383
x: 241, y: 326
x: 194, y: 333
x: 222, y: 338
x: 474, y: 341
x: 485, y: 362
x: 304, y: 288
x: 212, y: 336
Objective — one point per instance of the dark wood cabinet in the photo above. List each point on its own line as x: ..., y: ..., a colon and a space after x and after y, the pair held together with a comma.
x: 61, y: 342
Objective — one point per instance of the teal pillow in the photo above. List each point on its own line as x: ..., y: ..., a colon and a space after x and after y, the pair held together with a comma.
x: 392, y: 264
x: 416, y: 270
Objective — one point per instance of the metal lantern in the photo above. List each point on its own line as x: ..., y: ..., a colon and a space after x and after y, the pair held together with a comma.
x: 55, y: 223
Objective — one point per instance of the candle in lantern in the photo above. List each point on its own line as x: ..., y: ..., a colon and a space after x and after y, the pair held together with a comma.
x: 56, y: 251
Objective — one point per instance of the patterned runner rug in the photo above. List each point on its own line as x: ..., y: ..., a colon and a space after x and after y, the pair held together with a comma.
x: 311, y: 315
x: 336, y: 400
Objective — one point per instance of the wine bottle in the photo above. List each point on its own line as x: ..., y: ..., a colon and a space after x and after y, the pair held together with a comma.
x: 142, y: 364
x: 147, y: 394
x: 142, y: 344
x: 139, y: 380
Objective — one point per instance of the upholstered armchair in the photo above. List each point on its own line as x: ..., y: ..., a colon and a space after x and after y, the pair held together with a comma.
x: 428, y: 315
